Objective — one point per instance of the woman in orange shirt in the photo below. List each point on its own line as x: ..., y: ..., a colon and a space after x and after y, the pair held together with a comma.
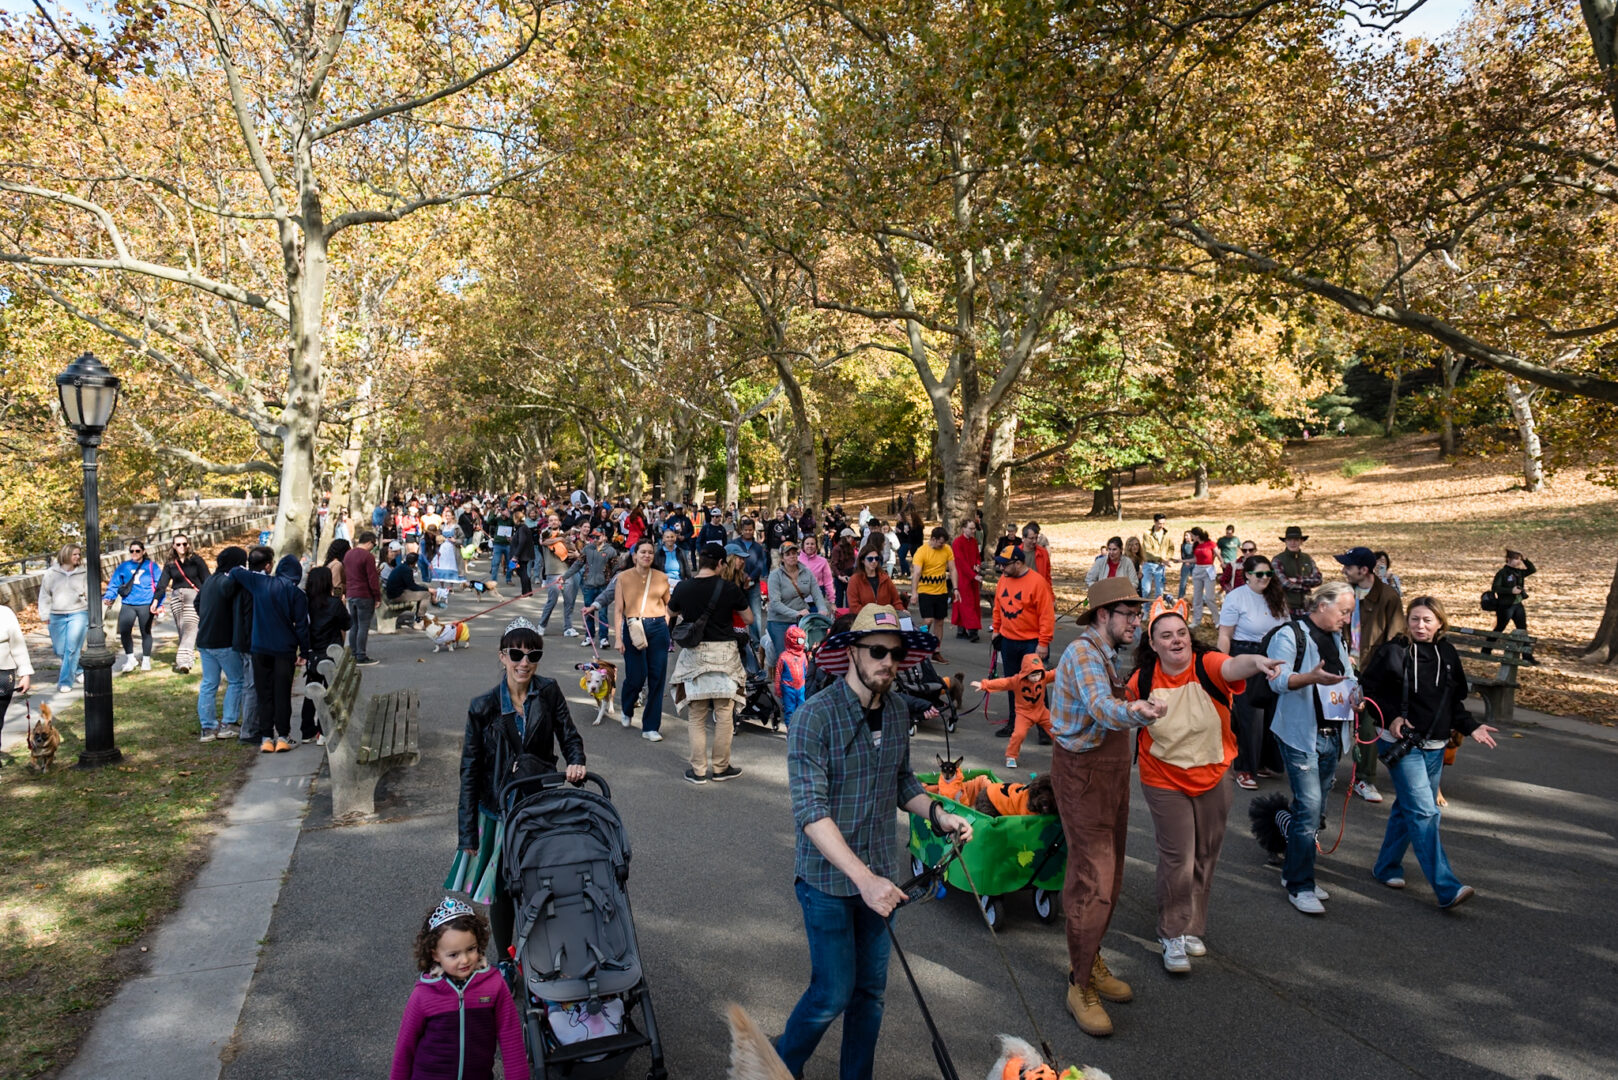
x: 1183, y: 760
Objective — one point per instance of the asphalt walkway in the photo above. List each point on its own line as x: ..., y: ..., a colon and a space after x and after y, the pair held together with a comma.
x: 1523, y: 981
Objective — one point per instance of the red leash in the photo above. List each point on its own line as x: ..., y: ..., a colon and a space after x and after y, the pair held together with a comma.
x: 1353, y: 771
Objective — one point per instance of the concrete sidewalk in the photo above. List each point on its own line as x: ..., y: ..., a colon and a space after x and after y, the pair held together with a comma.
x: 172, y: 1021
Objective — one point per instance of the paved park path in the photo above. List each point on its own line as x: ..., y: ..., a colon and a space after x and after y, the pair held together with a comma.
x: 1523, y: 981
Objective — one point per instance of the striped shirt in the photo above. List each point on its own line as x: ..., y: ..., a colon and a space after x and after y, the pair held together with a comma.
x: 1087, y: 698
x: 836, y: 769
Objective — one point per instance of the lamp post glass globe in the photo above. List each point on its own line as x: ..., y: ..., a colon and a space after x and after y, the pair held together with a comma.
x: 89, y: 394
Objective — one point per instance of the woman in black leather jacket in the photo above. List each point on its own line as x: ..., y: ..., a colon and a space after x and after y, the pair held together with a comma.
x: 502, y: 743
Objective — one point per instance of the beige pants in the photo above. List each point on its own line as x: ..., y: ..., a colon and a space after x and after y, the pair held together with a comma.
x: 697, y: 727
x: 1190, y: 832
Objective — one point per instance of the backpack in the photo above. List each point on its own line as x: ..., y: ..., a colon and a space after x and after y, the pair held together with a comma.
x: 1144, y: 682
x: 1489, y: 601
x: 1259, y: 693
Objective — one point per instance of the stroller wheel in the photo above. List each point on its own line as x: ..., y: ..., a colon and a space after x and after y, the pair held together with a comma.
x: 916, y: 866
x: 912, y: 727
x: 1043, y: 906
x: 994, y: 910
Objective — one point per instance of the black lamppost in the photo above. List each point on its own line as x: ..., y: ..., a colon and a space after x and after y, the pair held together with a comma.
x: 89, y: 393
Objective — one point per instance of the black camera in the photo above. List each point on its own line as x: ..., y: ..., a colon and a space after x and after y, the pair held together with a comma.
x: 1395, y: 752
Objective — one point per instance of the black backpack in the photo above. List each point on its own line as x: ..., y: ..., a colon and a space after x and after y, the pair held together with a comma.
x: 1149, y: 667
x: 1259, y: 693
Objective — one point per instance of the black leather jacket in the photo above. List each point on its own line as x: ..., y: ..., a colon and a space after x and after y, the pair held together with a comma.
x: 487, y: 756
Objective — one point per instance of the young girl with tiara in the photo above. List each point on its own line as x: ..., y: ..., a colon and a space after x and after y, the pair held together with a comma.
x: 461, y: 1009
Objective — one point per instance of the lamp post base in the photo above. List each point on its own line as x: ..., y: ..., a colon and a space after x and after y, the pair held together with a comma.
x: 97, y: 660
x: 96, y: 760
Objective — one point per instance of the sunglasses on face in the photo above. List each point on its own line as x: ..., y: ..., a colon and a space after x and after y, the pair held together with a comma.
x: 517, y: 656
x: 1248, y: 550
x: 882, y: 652
x: 873, y: 558
x: 1260, y: 573
x: 137, y: 551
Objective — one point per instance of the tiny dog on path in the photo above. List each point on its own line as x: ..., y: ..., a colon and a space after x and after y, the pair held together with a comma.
x: 43, y: 739
x: 600, y: 681
x: 752, y: 1057
x: 446, y: 635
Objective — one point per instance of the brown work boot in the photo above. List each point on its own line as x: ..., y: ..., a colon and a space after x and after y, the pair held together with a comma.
x: 1086, y: 1008
x: 1108, y: 985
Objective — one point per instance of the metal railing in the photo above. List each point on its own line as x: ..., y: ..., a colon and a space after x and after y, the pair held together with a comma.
x: 114, y: 536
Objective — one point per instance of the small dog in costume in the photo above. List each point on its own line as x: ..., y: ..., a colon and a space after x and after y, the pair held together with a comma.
x: 43, y: 740
x: 950, y: 781
x: 1020, y: 1061
x: 1029, y: 686
x: 600, y: 680
x: 792, y: 672
x: 1015, y: 800
x: 446, y: 636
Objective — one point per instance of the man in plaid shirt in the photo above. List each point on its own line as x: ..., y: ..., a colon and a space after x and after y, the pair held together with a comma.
x: 848, y: 767
x: 1090, y: 765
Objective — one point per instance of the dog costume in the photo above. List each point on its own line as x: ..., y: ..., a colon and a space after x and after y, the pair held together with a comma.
x: 1028, y: 686
x: 1020, y: 1061
x: 599, y: 679
x: 792, y: 672
x: 446, y: 635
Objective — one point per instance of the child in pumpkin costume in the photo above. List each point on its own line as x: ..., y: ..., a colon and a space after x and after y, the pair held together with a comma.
x: 1028, y: 686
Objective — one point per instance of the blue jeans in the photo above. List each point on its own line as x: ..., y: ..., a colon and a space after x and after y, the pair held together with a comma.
x: 778, y: 637
x: 848, y: 973
x: 1011, y: 654
x: 649, y: 668
x: 594, y: 626
x: 1413, y: 823
x: 500, y: 554
x: 360, y: 613
x: 1185, y: 578
x: 556, y: 589
x: 755, y: 601
x: 216, y: 662
x: 1151, y: 580
x: 67, y: 641
x: 1312, y: 776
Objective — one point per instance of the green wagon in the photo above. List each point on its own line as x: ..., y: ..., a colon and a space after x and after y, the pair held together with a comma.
x: 1007, y: 855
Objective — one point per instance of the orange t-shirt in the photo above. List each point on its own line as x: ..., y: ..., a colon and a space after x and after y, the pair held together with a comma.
x: 1154, y: 772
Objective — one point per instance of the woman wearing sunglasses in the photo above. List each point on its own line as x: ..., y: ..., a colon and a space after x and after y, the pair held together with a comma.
x: 1248, y: 615
x: 514, y: 730
x: 135, y: 583
x: 871, y: 584
x: 183, y: 575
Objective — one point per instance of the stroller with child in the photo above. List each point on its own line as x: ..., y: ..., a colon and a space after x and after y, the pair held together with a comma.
x: 565, y: 858
x: 925, y: 689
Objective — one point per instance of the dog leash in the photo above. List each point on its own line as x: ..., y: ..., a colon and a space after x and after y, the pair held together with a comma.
x: 1044, y: 1044
x: 1354, y: 769
x: 916, y: 890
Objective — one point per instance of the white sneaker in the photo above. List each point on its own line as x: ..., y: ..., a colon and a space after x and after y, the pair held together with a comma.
x: 570, y: 632
x: 1306, y: 903
x: 1011, y: 763
x: 79, y: 678
x: 128, y: 664
x: 1194, y: 946
x: 146, y: 665
x: 605, y: 642
x: 1320, y: 894
x: 652, y: 736
x: 1174, y: 955
x: 624, y: 719
x: 1367, y: 791
x: 209, y: 735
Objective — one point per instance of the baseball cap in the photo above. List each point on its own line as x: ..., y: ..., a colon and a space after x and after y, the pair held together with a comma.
x: 394, y: 545
x: 1358, y: 556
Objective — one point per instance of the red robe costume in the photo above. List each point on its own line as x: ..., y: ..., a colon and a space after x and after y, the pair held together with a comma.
x: 967, y: 613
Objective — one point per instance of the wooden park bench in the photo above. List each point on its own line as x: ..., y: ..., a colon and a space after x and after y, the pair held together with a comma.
x: 358, y: 754
x: 1510, y: 650
x: 388, y: 612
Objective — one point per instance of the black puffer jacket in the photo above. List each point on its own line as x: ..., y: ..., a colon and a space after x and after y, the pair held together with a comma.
x: 487, y: 755
x: 1421, y: 681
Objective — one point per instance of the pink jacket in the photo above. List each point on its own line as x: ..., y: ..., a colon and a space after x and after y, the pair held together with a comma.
x: 821, y: 569
x: 449, y: 1031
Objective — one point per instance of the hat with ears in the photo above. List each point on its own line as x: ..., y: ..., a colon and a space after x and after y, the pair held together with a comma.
x: 1107, y: 591
x: 874, y: 619
x: 1294, y: 533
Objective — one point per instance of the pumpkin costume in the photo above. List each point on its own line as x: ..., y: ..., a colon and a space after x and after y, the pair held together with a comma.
x: 1028, y: 689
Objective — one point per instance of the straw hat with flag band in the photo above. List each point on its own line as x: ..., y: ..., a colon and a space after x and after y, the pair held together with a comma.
x: 874, y: 619
x: 1104, y: 592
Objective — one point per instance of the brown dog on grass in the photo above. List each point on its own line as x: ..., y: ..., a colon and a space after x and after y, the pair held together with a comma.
x: 43, y: 740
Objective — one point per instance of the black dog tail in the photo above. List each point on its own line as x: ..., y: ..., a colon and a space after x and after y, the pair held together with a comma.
x: 1269, y: 816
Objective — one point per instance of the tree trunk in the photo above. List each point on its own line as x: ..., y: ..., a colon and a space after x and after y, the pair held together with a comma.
x: 1451, y: 370
x: 1392, y: 418
x: 1102, y: 501
x: 1201, y: 490
x: 637, y: 460
x: 733, y: 464
x: 997, y: 498
x: 1603, y: 648
x: 353, y: 447
x: 1522, y: 411
x: 826, y: 447
x: 373, y: 487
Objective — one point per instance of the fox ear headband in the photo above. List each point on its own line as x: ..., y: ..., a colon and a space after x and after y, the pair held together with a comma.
x: 1161, y: 607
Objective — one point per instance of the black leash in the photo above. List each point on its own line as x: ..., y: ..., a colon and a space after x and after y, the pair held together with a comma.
x: 917, y: 890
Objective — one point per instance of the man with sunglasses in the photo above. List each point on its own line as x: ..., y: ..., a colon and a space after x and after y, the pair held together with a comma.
x: 1090, y: 765
x: 848, y: 767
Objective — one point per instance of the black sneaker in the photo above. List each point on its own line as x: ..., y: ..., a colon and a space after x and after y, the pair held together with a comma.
x: 367, y: 661
x: 730, y: 773
x: 1044, y: 739
x: 1004, y: 731
x: 694, y: 777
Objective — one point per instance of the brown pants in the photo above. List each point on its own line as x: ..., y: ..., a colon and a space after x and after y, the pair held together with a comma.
x: 721, y: 710
x: 1092, y: 795
x: 1190, y: 832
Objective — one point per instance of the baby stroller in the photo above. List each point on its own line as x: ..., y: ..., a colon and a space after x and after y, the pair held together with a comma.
x: 761, y: 708
x: 924, y: 683
x: 565, y: 859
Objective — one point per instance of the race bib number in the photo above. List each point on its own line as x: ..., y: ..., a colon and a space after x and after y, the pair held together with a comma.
x: 1336, y: 702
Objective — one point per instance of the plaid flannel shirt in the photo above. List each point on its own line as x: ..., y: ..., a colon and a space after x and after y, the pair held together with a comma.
x: 1084, y: 707
x: 835, y: 770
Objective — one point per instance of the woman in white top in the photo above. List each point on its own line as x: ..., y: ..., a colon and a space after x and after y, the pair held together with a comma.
x: 65, y: 603
x: 1249, y: 613
x: 16, y: 670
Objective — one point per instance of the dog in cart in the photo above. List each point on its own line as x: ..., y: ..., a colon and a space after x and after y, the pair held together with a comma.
x: 580, y: 984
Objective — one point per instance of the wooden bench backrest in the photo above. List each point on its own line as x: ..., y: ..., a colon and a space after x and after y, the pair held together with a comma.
x: 342, y: 688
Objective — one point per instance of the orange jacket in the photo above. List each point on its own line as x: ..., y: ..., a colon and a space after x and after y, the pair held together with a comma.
x: 1030, y: 690
x: 1024, y: 608
x: 859, y: 591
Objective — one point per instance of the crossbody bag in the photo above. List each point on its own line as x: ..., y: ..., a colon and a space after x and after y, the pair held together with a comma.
x: 637, y: 625
x: 688, y: 635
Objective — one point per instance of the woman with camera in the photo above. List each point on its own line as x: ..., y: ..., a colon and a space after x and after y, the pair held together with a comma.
x: 1418, y: 684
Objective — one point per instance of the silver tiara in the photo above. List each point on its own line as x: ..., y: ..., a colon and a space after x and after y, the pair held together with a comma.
x: 448, y: 910
x: 520, y: 623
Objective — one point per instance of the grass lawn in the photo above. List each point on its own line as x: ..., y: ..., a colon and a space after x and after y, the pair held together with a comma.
x: 95, y: 859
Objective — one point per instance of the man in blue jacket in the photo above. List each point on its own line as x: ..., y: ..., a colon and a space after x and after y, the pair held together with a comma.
x: 280, y: 636
x: 757, y: 566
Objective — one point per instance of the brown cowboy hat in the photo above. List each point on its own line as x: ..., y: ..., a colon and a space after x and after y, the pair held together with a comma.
x: 1104, y: 592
